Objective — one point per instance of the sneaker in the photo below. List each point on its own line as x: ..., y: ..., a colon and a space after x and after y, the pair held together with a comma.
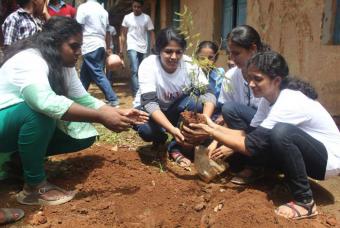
x: 114, y: 104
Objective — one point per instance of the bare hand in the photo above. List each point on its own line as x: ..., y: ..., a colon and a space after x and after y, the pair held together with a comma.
x: 220, y: 152
x: 219, y: 120
x: 114, y: 119
x: 136, y: 116
x: 176, y: 133
x: 194, y: 136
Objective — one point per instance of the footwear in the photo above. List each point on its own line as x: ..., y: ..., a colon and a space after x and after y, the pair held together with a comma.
x: 179, y: 158
x: 114, y: 104
x: 9, y: 215
x: 248, y: 176
x: 295, y: 207
x: 43, y: 195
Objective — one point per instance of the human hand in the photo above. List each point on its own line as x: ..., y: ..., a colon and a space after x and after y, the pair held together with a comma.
x: 194, y: 136
x: 136, y: 116
x: 219, y: 120
x: 176, y: 133
x: 220, y: 152
x: 114, y: 119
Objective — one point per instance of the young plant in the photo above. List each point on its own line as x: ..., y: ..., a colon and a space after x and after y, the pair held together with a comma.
x: 197, y: 87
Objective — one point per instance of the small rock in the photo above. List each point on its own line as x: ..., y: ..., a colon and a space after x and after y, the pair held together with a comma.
x: 38, y: 219
x: 83, y: 211
x: 218, y: 207
x: 223, y: 180
x: 88, y: 199
x: 222, y: 190
x: 114, y: 148
x: 199, y: 207
x: 331, y: 221
x: 153, y: 183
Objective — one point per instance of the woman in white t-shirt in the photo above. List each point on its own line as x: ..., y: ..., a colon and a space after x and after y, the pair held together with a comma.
x: 45, y: 110
x: 292, y: 132
x: 162, y: 80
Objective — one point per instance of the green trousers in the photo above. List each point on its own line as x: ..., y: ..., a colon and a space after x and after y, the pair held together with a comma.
x: 34, y: 136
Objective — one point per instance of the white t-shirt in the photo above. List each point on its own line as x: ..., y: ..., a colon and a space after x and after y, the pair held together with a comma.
x: 27, y: 68
x: 295, y: 108
x: 95, y: 21
x: 112, y: 32
x: 236, y: 89
x: 168, y: 87
x: 137, y: 37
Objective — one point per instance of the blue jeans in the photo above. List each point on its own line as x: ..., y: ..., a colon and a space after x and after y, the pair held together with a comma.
x: 237, y: 116
x: 152, y: 132
x: 135, y: 59
x: 92, y: 69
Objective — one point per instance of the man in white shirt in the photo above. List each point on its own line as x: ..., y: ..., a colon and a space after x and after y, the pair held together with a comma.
x: 96, y: 40
x: 134, y: 33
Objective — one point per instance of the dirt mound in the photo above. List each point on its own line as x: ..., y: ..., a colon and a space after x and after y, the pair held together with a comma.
x: 118, y: 188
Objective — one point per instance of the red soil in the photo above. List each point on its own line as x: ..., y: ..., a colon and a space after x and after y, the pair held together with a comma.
x: 122, y: 188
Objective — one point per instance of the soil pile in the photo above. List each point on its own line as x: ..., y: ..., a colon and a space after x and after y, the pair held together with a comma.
x: 121, y: 188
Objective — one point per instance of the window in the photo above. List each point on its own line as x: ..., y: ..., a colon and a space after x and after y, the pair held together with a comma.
x: 331, y: 23
x: 234, y: 13
x: 175, y: 7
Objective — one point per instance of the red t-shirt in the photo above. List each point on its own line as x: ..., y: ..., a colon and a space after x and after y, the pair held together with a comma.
x: 66, y: 10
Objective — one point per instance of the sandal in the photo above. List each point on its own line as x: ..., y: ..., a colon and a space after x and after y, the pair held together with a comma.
x: 39, y: 195
x: 10, y: 215
x: 243, y: 178
x: 296, y: 213
x: 179, y: 159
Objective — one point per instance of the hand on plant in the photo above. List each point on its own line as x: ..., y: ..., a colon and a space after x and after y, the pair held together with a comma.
x: 136, y: 116
x: 114, y: 119
x: 220, y: 152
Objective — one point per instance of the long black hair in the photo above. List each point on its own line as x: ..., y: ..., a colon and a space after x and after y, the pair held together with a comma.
x: 245, y: 36
x: 274, y: 65
x: 48, y: 42
x: 165, y: 36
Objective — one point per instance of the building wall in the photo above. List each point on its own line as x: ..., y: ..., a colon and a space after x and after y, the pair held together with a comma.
x: 294, y: 28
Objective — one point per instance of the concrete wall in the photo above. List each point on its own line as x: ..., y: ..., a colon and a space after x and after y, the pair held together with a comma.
x: 294, y: 28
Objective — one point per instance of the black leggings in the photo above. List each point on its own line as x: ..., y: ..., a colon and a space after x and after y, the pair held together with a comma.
x: 297, y: 154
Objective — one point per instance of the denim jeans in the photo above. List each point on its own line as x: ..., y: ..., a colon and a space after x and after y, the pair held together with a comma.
x: 92, y: 69
x: 152, y: 132
x: 298, y: 155
x: 135, y: 59
x: 237, y: 116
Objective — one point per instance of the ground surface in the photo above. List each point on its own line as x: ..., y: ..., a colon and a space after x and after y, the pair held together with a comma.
x: 120, y: 186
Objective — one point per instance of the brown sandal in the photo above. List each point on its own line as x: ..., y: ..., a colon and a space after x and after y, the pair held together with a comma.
x: 36, y: 196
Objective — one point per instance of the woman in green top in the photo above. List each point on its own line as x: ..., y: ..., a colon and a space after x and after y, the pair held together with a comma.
x: 44, y: 110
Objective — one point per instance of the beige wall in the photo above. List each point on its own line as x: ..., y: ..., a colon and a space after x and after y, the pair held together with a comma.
x: 294, y: 28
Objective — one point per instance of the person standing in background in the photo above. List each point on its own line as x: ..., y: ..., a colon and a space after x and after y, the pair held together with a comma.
x: 96, y: 43
x: 134, y: 34
x: 25, y: 21
x: 60, y: 8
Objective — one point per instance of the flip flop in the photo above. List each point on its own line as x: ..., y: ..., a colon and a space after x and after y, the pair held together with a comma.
x: 179, y: 159
x: 297, y: 215
x: 11, y: 215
